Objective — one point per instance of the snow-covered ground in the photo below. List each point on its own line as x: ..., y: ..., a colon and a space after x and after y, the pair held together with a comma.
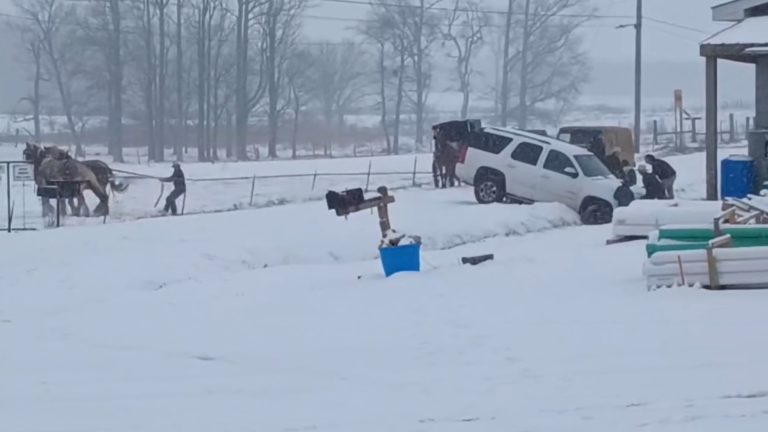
x: 279, y: 319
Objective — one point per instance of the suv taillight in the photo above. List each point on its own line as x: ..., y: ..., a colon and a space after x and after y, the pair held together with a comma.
x: 463, y: 154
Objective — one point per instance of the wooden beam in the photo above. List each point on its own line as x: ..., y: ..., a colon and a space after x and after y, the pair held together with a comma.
x: 711, y: 128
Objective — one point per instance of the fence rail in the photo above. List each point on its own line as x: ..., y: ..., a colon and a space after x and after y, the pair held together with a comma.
x: 219, y: 194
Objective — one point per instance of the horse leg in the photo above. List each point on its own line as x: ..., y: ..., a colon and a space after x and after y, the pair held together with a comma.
x: 436, y: 174
x: 102, y: 209
x: 75, y: 208
x: 48, y: 208
x: 83, y: 204
x: 451, y: 173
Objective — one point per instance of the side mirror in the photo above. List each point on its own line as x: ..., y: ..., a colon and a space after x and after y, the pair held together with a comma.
x: 571, y: 172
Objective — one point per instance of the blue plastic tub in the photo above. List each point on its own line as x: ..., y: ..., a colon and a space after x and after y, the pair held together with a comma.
x: 737, y: 176
x: 401, y: 259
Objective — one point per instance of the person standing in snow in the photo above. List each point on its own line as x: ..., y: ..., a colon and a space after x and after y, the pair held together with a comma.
x: 597, y: 147
x: 613, y: 163
x: 654, y: 189
x: 664, y: 171
x: 630, y: 177
x: 179, y: 188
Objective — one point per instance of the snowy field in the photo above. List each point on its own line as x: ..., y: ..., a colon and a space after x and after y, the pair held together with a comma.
x: 278, y: 319
x: 221, y: 194
x: 205, y: 196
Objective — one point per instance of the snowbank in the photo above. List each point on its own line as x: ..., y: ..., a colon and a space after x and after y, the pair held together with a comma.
x: 297, y: 234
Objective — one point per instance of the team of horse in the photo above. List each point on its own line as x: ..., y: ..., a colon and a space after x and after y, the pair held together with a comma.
x: 54, y: 167
x: 445, y: 157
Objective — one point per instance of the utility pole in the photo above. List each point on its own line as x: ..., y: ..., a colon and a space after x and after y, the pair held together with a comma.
x: 638, y: 72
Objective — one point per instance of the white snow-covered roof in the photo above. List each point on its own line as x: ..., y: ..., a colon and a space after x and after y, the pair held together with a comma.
x: 750, y: 31
x: 735, y: 10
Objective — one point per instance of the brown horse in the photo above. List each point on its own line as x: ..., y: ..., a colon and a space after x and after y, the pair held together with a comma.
x: 444, y: 160
x: 103, y: 172
x: 48, y: 170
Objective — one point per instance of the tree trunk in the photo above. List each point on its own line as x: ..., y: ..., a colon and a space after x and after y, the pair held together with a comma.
x: 295, y: 131
x: 383, y: 95
x: 161, y: 91
x: 150, y: 84
x: 181, y: 117
x: 36, y: 91
x: 420, y: 77
x: 522, y: 106
x: 504, y: 93
x: 241, y: 78
x: 201, y: 82
x: 272, y: 80
x: 66, y: 103
x: 208, y: 85
x: 115, y: 83
x: 399, y: 104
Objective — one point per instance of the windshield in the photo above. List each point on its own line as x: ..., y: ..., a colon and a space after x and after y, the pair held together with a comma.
x: 592, y: 166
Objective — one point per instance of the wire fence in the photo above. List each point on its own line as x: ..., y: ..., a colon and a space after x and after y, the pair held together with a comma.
x: 145, y: 195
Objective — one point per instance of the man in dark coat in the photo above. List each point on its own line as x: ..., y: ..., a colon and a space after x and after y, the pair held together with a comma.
x: 597, y: 147
x: 653, y: 187
x: 613, y: 163
x: 665, y: 173
x: 179, y: 188
x: 630, y: 177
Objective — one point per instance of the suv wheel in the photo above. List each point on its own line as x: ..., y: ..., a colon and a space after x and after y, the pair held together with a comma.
x: 489, y: 190
x: 597, y: 213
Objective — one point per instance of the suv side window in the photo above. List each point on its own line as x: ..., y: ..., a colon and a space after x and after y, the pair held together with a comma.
x: 488, y: 142
x: 527, y: 153
x: 558, y: 162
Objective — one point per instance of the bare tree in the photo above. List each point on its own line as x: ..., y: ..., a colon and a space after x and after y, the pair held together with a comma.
x: 339, y: 78
x: 466, y: 24
x: 298, y: 82
x: 181, y: 118
x: 547, y: 61
x: 247, y: 96
x: 376, y: 30
x: 280, y: 28
x: 50, y: 19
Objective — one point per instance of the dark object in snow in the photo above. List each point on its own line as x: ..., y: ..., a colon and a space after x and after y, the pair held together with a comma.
x: 342, y: 202
x: 475, y: 260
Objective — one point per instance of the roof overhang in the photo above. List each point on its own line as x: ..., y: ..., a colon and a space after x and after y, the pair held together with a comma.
x: 743, y: 41
x: 735, y: 10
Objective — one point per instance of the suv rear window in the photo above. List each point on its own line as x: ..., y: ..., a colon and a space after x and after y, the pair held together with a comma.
x: 488, y: 142
x: 527, y: 153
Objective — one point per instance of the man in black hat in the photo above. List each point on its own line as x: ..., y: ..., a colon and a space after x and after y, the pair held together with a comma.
x: 179, y: 188
x: 664, y: 171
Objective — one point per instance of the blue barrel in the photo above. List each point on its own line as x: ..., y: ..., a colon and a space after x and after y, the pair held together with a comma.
x: 737, y: 176
x: 400, y: 259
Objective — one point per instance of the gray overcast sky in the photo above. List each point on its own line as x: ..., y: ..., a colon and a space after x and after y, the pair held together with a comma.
x: 603, y: 40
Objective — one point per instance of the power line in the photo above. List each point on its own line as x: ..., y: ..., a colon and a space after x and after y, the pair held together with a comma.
x: 675, y: 25
x: 485, y: 11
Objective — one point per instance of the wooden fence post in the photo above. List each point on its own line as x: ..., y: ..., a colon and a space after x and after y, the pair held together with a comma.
x: 415, y: 162
x: 368, y: 179
x: 253, y: 188
x: 314, y: 180
x: 732, y: 128
x: 655, y: 133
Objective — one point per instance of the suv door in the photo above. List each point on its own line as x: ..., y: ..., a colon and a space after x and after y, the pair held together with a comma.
x: 523, y: 170
x: 560, y: 180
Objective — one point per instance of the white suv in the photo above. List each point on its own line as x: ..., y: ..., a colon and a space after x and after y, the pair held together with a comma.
x: 512, y: 164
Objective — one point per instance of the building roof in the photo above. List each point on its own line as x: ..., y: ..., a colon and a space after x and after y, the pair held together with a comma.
x: 751, y: 31
x: 737, y: 10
